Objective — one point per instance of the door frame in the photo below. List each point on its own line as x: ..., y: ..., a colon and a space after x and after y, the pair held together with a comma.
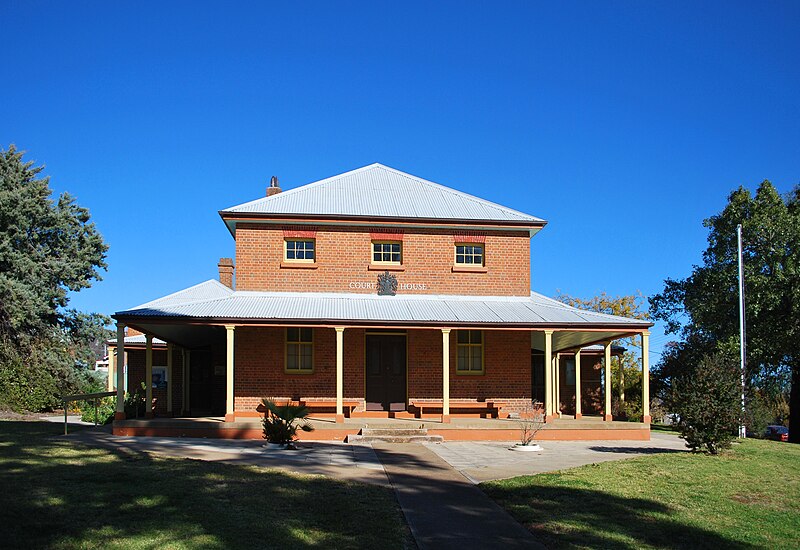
x: 384, y: 332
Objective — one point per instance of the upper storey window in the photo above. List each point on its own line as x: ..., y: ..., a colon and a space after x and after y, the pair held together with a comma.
x: 469, y: 254
x: 387, y: 252
x: 299, y: 250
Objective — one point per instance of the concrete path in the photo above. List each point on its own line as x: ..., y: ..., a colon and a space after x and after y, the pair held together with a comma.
x: 443, y: 509
x: 339, y: 460
x: 485, y: 461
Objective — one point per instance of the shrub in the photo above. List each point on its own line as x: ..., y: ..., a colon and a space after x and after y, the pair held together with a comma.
x: 281, y: 422
x: 25, y: 389
x: 135, y: 402
x: 106, y: 407
x: 707, y: 399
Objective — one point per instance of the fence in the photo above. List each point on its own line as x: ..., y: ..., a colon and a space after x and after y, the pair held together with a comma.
x: 84, y: 397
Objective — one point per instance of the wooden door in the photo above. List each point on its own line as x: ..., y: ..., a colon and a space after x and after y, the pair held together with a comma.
x: 386, y: 372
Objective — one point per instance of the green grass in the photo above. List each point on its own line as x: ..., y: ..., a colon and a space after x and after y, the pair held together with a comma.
x: 748, y: 497
x: 56, y: 494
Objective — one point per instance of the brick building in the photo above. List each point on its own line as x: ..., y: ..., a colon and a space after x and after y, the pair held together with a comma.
x: 375, y: 293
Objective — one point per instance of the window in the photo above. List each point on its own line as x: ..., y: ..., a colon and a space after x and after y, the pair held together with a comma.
x: 469, y: 254
x: 299, y: 350
x: 470, y: 352
x: 570, y: 372
x: 386, y: 252
x: 299, y: 251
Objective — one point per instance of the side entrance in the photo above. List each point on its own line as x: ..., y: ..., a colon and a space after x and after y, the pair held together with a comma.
x: 386, y: 371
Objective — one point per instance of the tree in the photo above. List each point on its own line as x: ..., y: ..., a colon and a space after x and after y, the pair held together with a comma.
x: 703, y: 308
x: 626, y: 370
x: 48, y: 248
x: 706, y: 400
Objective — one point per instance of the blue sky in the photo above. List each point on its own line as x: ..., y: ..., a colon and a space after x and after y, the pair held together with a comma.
x: 624, y: 124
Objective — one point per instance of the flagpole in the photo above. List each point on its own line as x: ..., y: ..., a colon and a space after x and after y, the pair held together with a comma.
x: 742, y: 344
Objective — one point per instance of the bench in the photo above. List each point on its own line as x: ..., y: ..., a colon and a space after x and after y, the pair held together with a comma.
x: 492, y: 408
x: 347, y: 406
x: 311, y: 405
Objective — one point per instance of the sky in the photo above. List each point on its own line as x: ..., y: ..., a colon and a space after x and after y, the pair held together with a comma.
x: 624, y: 124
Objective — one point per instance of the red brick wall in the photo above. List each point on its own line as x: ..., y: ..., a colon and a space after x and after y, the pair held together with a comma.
x: 507, y: 368
x: 136, y: 375
x: 343, y: 256
x: 259, y: 367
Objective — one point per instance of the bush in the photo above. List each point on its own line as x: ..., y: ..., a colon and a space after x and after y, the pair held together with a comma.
x: 758, y: 414
x: 135, y: 402
x: 106, y: 407
x: 24, y: 389
x: 707, y: 399
x: 281, y: 422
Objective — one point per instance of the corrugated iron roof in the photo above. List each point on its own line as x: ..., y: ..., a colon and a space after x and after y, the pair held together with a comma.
x: 138, y: 339
x: 343, y: 307
x: 207, y: 290
x: 380, y: 191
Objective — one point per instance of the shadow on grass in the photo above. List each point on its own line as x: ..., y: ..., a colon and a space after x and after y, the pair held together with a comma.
x: 572, y: 516
x: 56, y: 493
x: 634, y: 450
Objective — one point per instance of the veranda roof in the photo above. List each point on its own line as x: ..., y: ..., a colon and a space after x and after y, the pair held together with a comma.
x: 213, y: 303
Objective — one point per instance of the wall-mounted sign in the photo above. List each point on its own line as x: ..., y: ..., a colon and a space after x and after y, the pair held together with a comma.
x: 160, y: 377
x: 373, y: 285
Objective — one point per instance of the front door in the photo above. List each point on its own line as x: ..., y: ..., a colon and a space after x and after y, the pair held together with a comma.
x: 386, y: 372
x: 201, y: 379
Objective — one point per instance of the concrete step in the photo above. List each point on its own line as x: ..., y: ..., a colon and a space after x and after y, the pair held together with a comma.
x: 394, y: 438
x: 394, y: 431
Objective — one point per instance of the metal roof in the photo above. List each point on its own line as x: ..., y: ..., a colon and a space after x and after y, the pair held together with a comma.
x: 371, y: 308
x: 380, y: 191
x: 138, y: 339
x: 207, y: 290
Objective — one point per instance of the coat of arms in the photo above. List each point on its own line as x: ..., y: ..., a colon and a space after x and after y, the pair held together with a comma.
x: 387, y: 284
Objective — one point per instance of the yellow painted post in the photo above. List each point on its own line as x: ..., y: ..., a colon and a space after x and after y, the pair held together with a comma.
x: 148, y: 375
x: 607, y: 382
x: 339, y: 374
x: 558, y: 385
x: 548, y: 375
x: 445, y: 375
x: 187, y: 367
x: 229, y: 414
x: 578, y: 413
x: 169, y: 378
x: 119, y: 413
x: 646, y: 377
x: 111, y: 362
x: 621, y: 384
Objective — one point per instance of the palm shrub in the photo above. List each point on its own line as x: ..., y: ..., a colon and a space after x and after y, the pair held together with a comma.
x: 707, y: 400
x: 135, y: 403
x: 281, y: 422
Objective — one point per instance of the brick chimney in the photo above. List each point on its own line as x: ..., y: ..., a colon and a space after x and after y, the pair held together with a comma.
x: 226, y: 271
x: 273, y: 188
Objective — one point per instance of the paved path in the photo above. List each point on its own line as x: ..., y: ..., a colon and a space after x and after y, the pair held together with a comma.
x: 485, y: 461
x: 443, y: 509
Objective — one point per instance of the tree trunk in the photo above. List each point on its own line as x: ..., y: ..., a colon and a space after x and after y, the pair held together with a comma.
x: 794, y: 404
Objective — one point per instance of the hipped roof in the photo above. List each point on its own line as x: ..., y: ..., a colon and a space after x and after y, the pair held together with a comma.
x: 377, y: 191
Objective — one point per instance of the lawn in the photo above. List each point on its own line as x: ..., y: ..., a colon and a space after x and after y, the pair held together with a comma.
x: 56, y: 494
x: 748, y: 497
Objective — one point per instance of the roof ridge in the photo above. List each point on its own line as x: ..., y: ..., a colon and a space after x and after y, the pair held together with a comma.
x: 303, y: 187
x: 468, y: 196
